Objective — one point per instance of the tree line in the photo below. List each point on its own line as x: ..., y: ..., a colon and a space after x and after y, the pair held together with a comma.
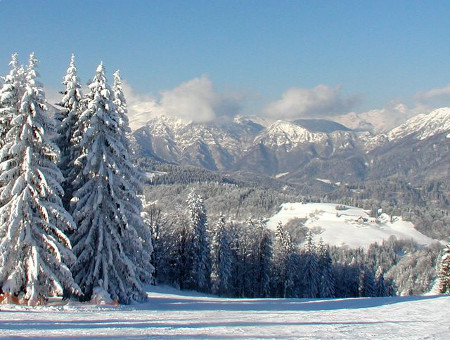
x: 245, y: 259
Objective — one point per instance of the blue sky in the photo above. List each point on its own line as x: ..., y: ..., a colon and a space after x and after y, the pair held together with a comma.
x: 251, y: 56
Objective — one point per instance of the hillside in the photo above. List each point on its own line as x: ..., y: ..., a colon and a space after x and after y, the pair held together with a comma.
x: 347, y: 226
x: 170, y: 313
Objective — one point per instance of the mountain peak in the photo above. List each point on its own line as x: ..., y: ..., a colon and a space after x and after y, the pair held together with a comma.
x: 321, y: 125
x: 423, y: 125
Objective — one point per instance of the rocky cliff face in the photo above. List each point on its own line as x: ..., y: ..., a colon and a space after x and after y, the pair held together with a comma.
x: 304, y: 149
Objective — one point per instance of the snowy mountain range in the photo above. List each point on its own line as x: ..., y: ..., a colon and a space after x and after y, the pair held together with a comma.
x: 303, y: 149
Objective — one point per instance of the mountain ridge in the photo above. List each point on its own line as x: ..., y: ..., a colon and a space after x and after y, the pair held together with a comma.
x: 325, y: 149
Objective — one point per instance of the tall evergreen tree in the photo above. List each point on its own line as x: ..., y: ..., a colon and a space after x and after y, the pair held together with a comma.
x: 68, y: 128
x: 179, y: 250
x: 444, y: 271
x: 221, y: 258
x: 34, y: 250
x: 284, y: 262
x: 241, y: 252
x: 367, y: 286
x: 263, y: 258
x: 326, y: 273
x: 200, y: 249
x: 311, y: 270
x: 112, y: 244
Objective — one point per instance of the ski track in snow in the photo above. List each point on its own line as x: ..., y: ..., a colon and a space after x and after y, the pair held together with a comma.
x: 173, y: 314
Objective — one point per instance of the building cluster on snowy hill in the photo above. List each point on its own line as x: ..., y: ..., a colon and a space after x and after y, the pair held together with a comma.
x: 69, y: 213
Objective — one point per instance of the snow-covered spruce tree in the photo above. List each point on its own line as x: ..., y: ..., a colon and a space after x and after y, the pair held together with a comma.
x: 262, y: 253
x: 285, y: 270
x: 34, y: 250
x: 178, y: 250
x: 221, y: 258
x: 326, y: 273
x: 121, y: 105
x: 68, y: 127
x: 10, y: 95
x: 311, y: 270
x: 112, y: 243
x: 444, y: 271
x: 241, y: 252
x: 199, y: 249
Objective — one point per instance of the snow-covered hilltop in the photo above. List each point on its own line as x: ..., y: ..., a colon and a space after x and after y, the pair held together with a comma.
x: 347, y: 226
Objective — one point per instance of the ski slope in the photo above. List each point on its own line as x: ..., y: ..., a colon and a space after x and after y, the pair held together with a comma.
x: 352, y: 227
x: 174, y: 314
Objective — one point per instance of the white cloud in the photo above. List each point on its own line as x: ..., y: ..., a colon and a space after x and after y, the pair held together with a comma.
x: 195, y: 100
x: 319, y: 101
x: 199, y: 101
x: 434, y: 98
x: 141, y: 106
x: 379, y: 120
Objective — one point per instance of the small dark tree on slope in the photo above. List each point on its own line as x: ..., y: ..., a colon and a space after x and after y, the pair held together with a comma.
x: 367, y: 286
x: 111, y: 243
x: 380, y: 284
x: 34, y: 250
x: 444, y: 271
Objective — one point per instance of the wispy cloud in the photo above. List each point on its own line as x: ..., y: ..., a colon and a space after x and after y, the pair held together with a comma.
x: 434, y: 98
x: 319, y: 101
x: 141, y: 106
x: 195, y: 100
x: 198, y: 100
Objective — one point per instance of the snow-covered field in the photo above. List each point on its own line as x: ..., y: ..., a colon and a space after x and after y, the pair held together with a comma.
x: 351, y: 227
x: 173, y: 314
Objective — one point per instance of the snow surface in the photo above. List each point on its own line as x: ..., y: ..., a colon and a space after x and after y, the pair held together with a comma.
x: 175, y: 314
x: 342, y: 228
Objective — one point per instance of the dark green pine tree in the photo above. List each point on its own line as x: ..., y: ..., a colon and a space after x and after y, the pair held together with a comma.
x: 221, y: 258
x: 68, y: 127
x: 444, y: 271
x: 325, y: 264
x: 311, y: 270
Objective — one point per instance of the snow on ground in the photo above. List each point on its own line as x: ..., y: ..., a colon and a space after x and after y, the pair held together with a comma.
x: 351, y: 227
x: 173, y: 314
